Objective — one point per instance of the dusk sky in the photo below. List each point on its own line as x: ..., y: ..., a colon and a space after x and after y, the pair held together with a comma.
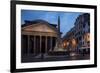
x: 67, y: 19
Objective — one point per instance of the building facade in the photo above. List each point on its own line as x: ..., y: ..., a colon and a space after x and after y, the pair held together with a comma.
x: 78, y: 37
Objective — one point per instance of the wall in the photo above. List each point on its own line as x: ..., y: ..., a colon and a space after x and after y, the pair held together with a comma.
x: 5, y: 36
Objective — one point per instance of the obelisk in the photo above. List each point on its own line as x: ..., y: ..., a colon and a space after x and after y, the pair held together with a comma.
x: 58, y: 46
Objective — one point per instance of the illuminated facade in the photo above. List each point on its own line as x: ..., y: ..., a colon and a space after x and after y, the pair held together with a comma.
x: 79, y: 36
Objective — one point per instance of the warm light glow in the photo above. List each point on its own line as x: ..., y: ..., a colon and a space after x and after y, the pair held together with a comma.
x: 87, y: 37
x: 74, y: 43
x: 65, y: 44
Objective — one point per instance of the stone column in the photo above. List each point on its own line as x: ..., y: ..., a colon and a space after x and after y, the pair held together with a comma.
x: 28, y: 44
x: 40, y: 42
x: 46, y: 44
x: 51, y: 43
x: 34, y: 44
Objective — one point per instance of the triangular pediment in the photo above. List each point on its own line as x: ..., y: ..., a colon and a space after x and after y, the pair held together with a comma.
x: 39, y: 28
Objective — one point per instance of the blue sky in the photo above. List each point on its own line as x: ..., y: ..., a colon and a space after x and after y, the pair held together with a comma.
x: 67, y: 19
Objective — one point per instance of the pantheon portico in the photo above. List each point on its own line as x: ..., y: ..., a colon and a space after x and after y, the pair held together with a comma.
x: 38, y: 37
